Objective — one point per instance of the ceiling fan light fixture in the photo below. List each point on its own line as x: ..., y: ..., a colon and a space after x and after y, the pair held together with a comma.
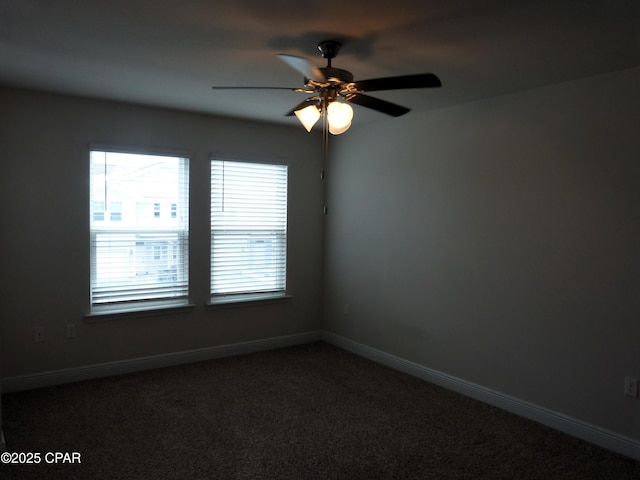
x: 339, y: 116
x: 327, y: 84
x: 337, y: 131
x: 308, y: 116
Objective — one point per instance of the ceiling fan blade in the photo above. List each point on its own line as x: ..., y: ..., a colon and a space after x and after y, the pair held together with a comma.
x: 301, y: 105
x: 291, y: 89
x: 304, y: 66
x: 376, y: 104
x: 421, y: 80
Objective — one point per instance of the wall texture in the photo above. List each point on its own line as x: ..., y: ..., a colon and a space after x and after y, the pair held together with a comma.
x: 497, y: 242
x: 44, y: 245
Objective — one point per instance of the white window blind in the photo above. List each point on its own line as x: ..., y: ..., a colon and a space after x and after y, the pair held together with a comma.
x: 248, y: 227
x: 139, y: 246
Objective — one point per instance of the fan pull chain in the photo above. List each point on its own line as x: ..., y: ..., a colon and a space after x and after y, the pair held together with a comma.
x: 325, y: 151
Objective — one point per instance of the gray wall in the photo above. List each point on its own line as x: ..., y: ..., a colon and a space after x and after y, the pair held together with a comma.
x: 495, y: 241
x: 44, y: 245
x: 498, y: 242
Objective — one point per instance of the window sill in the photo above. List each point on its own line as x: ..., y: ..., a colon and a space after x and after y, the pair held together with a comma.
x: 146, y: 312
x: 248, y: 300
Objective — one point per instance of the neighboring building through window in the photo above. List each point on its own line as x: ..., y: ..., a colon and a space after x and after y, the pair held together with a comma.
x: 248, y: 228
x: 98, y: 210
x: 138, y: 259
x: 115, y: 211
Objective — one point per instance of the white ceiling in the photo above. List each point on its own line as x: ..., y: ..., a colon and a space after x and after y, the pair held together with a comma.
x: 170, y: 52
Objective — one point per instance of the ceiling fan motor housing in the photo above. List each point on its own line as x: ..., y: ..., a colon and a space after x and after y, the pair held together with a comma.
x: 337, y: 75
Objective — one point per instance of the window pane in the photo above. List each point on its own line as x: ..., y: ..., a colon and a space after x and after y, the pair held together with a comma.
x: 115, y: 213
x: 248, y: 227
x: 136, y: 257
x: 97, y: 212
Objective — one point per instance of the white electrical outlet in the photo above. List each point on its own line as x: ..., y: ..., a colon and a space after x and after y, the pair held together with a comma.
x: 38, y: 334
x: 347, y: 309
x: 631, y: 387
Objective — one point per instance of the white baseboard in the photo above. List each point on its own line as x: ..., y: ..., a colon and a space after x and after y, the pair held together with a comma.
x: 574, y: 427
x: 58, y: 377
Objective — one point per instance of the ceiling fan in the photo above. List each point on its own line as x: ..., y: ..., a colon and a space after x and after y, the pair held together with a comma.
x: 332, y: 89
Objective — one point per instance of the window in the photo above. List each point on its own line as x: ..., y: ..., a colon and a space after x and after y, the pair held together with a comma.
x: 115, y: 213
x: 138, y: 261
x: 248, y: 228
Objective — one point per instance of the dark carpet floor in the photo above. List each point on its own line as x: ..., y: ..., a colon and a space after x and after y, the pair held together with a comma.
x: 307, y: 412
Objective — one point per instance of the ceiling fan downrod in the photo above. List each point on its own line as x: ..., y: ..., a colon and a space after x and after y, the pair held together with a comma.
x: 329, y: 50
